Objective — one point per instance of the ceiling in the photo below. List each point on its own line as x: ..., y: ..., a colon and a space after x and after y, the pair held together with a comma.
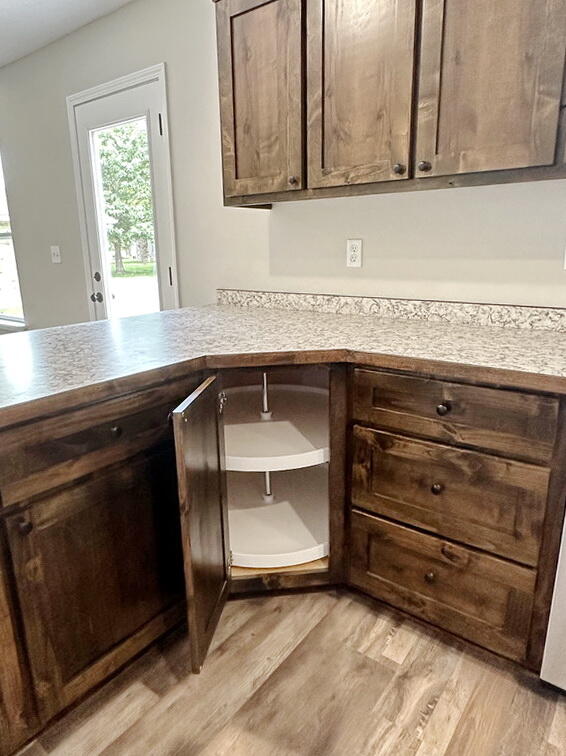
x: 27, y: 25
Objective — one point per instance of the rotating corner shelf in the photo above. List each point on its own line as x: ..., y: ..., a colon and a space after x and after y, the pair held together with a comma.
x: 296, y: 435
x: 293, y: 529
x: 280, y: 519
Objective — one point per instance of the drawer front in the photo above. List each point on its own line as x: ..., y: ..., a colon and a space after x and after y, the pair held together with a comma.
x: 44, y: 455
x: 477, y: 596
x: 481, y: 500
x: 508, y: 422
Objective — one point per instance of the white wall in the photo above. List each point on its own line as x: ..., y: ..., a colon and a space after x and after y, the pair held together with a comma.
x: 215, y: 245
x: 494, y: 244
x: 501, y: 244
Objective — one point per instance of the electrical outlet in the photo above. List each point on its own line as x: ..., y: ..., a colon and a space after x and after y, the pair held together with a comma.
x: 354, y: 253
x: 55, y: 255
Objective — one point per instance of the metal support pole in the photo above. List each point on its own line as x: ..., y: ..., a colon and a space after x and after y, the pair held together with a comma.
x: 265, y: 411
x: 268, y: 495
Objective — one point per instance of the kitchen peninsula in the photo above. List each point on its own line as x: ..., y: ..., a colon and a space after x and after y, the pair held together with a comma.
x: 444, y: 459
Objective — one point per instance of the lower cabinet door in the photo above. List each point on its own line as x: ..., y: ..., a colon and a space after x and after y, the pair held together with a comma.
x: 98, y: 570
x: 199, y: 442
x: 18, y: 719
x: 477, y: 596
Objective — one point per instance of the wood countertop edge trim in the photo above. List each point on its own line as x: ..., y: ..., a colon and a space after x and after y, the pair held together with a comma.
x: 74, y: 398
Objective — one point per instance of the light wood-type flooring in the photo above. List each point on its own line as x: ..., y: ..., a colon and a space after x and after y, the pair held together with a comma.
x: 325, y: 673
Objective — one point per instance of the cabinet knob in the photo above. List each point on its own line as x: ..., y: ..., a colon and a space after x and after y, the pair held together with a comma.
x: 399, y: 169
x: 443, y: 409
x: 424, y: 166
x: 437, y: 488
x: 430, y: 577
x: 24, y: 526
x: 293, y: 180
x: 115, y: 431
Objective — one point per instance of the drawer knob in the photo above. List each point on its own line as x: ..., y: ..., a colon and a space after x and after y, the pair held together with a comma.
x: 424, y: 166
x: 293, y: 180
x: 437, y: 488
x: 430, y: 577
x: 115, y: 431
x: 399, y: 169
x: 443, y: 409
x: 24, y: 527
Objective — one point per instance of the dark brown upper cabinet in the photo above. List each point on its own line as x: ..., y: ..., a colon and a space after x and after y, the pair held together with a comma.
x: 199, y: 443
x: 360, y: 64
x: 260, y: 69
x: 490, y: 85
x: 399, y: 95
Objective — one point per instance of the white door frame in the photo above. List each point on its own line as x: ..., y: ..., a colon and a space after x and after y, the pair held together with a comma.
x: 165, y: 231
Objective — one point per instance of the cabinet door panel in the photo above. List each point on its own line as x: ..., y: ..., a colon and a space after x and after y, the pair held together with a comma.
x: 95, y: 563
x: 360, y: 83
x: 17, y: 706
x: 199, y: 442
x: 260, y: 62
x: 490, y: 84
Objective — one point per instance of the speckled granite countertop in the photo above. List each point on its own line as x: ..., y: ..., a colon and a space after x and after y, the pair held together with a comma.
x: 42, y: 371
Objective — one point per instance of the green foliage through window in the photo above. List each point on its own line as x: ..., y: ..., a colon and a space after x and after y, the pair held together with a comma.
x: 126, y: 184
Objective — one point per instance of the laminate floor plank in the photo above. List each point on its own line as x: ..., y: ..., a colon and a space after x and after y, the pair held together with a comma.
x: 326, y: 673
x: 192, y: 712
x: 310, y: 705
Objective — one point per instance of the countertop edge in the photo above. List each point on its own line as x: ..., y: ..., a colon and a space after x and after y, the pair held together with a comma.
x: 74, y: 398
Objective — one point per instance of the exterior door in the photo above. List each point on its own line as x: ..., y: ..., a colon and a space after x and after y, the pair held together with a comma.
x: 260, y: 66
x: 360, y: 83
x: 490, y: 85
x: 124, y: 188
x: 199, y: 442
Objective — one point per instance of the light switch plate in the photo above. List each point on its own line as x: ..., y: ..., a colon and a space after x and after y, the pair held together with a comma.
x: 354, y: 253
x: 55, y: 255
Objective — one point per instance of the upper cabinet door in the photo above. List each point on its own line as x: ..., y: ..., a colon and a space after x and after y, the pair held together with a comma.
x: 199, y: 443
x: 490, y: 84
x: 260, y: 69
x: 360, y: 84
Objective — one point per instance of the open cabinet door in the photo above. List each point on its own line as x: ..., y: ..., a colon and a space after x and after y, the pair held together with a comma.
x: 199, y: 444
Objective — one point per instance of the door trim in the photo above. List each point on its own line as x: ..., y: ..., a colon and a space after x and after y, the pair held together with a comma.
x: 148, y: 75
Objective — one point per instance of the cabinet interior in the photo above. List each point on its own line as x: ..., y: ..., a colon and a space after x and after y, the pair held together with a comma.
x: 277, y: 456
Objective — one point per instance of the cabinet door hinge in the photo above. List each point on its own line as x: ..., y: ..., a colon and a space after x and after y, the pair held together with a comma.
x: 222, y: 399
x: 160, y: 117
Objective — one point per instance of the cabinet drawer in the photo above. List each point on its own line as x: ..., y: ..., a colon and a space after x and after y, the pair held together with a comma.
x: 46, y: 454
x: 489, y: 502
x: 508, y: 422
x: 477, y: 596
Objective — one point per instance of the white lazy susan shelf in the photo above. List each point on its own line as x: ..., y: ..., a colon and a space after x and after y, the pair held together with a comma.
x: 276, y: 448
x: 296, y: 435
x: 293, y: 529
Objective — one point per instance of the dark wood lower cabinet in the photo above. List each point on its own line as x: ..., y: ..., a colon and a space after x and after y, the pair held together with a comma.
x: 454, y: 514
x: 97, y: 565
x: 18, y: 716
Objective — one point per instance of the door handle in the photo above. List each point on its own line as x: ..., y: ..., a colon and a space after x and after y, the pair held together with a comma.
x: 96, y: 297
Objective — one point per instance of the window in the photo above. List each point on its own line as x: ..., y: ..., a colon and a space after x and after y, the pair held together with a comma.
x: 10, y: 298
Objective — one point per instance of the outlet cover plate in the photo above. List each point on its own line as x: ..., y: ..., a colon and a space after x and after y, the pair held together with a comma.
x: 354, y: 249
